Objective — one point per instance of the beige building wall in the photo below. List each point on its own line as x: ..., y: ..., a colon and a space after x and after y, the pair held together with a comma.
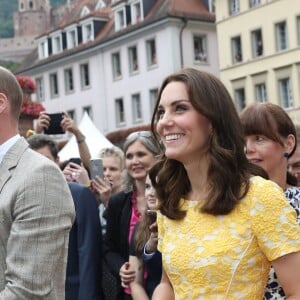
x: 277, y: 70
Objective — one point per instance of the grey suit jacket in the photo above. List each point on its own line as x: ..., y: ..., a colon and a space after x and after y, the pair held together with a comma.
x: 36, y: 215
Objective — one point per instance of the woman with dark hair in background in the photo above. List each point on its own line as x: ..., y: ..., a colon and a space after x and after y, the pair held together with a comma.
x: 144, y: 239
x: 270, y: 140
x: 219, y: 225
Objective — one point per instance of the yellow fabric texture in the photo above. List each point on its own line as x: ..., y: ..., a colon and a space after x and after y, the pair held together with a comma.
x: 228, y: 257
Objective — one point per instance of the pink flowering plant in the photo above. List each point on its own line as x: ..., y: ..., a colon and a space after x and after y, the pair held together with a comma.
x: 29, y: 108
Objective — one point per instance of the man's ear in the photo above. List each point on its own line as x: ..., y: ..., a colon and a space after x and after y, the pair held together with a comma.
x: 3, y: 102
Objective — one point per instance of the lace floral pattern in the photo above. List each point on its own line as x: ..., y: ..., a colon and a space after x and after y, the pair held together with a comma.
x: 228, y: 256
x: 273, y: 289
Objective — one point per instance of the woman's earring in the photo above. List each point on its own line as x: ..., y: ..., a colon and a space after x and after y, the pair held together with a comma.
x: 286, y: 154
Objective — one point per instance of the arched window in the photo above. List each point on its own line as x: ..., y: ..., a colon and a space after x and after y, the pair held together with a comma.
x: 30, y: 4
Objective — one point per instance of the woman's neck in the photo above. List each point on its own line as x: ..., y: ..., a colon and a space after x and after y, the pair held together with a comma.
x: 279, y: 176
x: 197, y: 173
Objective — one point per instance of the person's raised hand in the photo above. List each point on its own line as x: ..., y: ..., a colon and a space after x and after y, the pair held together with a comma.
x: 42, y: 122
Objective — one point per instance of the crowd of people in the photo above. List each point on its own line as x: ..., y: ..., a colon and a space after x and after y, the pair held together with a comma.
x: 205, y: 205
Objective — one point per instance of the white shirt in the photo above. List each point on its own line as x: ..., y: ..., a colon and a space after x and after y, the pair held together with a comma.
x: 7, y: 145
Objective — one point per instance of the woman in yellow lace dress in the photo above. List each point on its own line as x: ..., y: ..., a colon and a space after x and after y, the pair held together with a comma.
x: 220, y: 224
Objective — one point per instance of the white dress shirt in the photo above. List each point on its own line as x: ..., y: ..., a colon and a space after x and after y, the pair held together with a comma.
x: 6, y: 145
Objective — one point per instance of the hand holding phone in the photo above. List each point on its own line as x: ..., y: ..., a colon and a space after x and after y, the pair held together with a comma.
x: 75, y: 160
x: 55, y: 124
x: 96, y: 168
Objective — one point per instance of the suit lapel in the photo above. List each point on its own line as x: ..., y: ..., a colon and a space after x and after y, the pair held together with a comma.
x: 11, y: 159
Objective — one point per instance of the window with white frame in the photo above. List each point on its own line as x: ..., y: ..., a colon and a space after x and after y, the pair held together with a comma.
x: 298, y: 29
x: 88, y: 110
x: 285, y: 93
x: 69, y: 81
x: 136, y: 107
x: 234, y: 6
x: 72, y: 40
x: 136, y: 12
x: 153, y: 97
x: 253, y: 3
x: 40, y: 93
x: 56, y: 44
x: 257, y: 43
x: 116, y: 65
x: 261, y: 92
x: 120, y: 113
x: 133, y: 59
x: 72, y: 115
x: 53, y: 85
x: 84, y: 76
x: 239, y: 96
x: 151, y: 52
x: 43, y: 49
x: 236, y: 46
x: 212, y: 6
x: 120, y: 19
x: 87, y: 33
x: 200, y: 48
x: 281, y: 36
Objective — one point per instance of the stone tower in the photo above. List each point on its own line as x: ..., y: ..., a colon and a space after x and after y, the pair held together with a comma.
x: 32, y: 18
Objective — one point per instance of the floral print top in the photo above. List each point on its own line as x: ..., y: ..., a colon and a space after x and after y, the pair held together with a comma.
x: 228, y: 257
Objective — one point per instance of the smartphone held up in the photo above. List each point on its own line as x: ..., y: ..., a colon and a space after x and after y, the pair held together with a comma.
x: 96, y: 168
x: 54, y: 126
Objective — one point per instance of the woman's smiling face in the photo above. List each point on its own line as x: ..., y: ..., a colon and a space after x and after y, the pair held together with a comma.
x: 184, y: 131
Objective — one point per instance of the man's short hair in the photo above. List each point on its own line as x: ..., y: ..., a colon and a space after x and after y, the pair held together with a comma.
x: 10, y: 87
x: 38, y: 141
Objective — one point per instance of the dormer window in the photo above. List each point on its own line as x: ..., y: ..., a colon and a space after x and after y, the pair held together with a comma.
x: 136, y: 12
x: 120, y: 19
x: 100, y: 4
x: 72, y: 39
x: 87, y: 32
x: 56, y: 44
x: 85, y: 11
x: 43, y: 49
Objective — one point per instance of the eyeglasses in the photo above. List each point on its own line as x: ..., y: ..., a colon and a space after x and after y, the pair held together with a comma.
x: 137, y: 134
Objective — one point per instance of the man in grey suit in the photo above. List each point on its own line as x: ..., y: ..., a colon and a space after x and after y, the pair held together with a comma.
x: 36, y: 210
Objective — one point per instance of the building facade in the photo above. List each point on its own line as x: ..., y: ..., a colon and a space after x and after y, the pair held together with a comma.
x: 259, y: 51
x: 33, y: 18
x: 110, y: 58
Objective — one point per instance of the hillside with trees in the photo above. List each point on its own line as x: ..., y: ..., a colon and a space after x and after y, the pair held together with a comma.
x: 7, y: 8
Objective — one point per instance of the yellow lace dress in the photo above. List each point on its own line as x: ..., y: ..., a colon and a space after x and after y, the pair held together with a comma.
x: 227, y: 257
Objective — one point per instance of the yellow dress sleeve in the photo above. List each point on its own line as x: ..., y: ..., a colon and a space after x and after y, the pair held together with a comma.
x: 274, y: 221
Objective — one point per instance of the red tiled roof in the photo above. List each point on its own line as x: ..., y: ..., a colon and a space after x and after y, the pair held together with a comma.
x: 189, y: 9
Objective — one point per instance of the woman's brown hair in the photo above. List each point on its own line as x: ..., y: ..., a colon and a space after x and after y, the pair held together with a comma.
x: 229, y: 170
x: 273, y: 122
